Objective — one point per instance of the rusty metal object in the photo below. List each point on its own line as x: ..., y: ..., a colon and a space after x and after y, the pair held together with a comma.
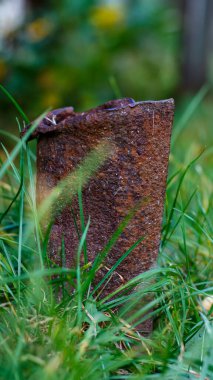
x: 137, y: 169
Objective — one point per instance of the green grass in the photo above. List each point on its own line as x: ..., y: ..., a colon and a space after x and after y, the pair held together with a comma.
x: 49, y: 332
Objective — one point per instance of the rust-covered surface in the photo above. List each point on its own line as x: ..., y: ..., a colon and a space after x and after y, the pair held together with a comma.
x: 136, y: 170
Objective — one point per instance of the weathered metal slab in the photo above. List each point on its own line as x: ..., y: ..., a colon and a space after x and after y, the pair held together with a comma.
x: 137, y: 170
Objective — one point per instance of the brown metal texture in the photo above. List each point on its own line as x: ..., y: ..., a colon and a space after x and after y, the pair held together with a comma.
x: 136, y: 170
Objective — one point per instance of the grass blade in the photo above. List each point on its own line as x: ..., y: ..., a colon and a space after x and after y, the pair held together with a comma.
x: 198, y: 98
x: 78, y: 273
x: 21, y: 213
x: 16, y: 105
x: 119, y: 261
x: 20, y: 144
x: 81, y: 212
x: 167, y: 227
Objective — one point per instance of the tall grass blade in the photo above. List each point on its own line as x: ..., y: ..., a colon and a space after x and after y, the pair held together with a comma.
x: 112, y: 241
x: 114, y: 86
x: 21, y: 143
x: 119, y: 261
x: 168, y: 224
x: 15, y: 103
x: 78, y: 273
x: 81, y: 212
x: 8, y: 257
x: 21, y: 214
x: 67, y: 188
x: 38, y: 232
x: 193, y: 105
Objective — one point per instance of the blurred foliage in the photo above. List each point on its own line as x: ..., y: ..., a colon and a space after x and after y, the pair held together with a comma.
x: 84, y: 52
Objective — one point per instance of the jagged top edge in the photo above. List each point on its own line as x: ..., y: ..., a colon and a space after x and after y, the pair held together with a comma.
x: 68, y: 112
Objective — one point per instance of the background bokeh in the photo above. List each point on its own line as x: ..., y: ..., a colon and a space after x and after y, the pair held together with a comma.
x: 84, y: 52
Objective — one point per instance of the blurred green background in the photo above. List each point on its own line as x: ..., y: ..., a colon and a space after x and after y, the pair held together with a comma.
x: 85, y: 52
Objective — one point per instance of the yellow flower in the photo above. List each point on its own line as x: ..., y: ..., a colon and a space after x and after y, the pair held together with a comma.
x: 39, y: 29
x: 107, y: 16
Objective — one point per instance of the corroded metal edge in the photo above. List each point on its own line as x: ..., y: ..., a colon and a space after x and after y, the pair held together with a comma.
x: 58, y: 119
